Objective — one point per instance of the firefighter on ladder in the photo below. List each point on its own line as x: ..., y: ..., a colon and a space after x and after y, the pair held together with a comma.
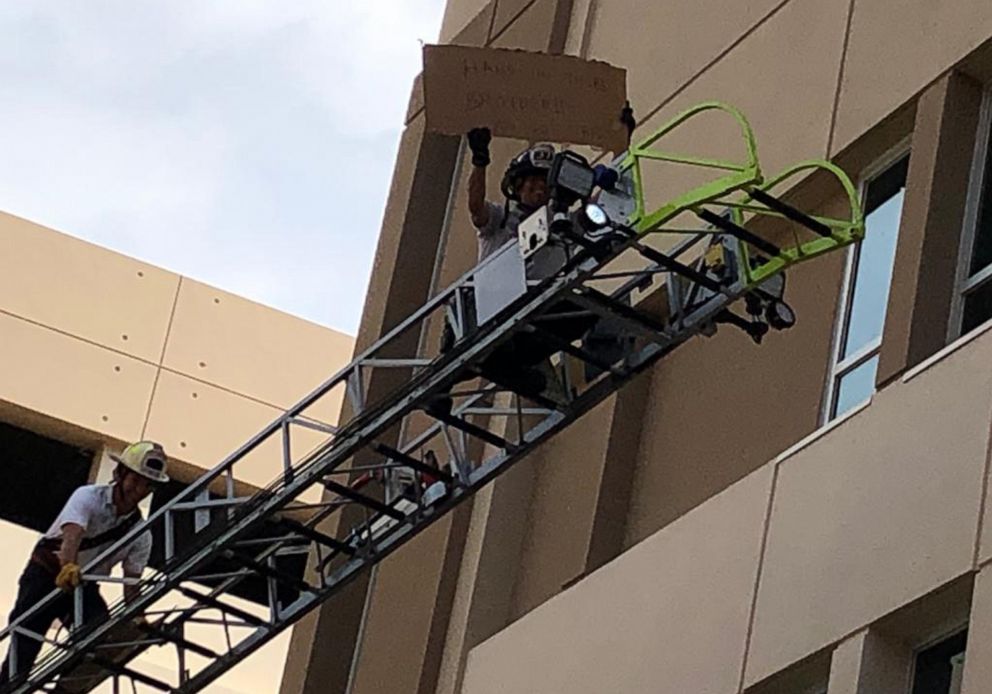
x: 524, y: 186
x: 525, y: 189
x: 94, y: 517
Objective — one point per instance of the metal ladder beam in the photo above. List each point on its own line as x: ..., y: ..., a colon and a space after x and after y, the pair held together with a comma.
x: 250, y: 529
x: 361, y: 433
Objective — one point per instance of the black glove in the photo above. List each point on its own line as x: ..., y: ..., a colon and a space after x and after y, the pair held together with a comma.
x: 478, y: 142
x: 627, y: 118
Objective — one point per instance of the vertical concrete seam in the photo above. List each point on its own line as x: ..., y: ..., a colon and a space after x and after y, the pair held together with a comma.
x: 161, y: 357
x: 987, y: 468
x: 356, y: 654
x: 536, y: 458
x: 757, y: 576
x: 716, y: 59
x: 840, y: 78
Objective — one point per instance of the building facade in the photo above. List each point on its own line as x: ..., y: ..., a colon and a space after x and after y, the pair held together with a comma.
x: 806, y: 516
x: 98, y: 349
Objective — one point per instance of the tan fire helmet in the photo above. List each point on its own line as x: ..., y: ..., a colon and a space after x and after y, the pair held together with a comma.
x: 147, y: 458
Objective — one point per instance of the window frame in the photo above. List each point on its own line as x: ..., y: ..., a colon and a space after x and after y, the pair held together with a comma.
x: 920, y: 648
x: 840, y: 367
x: 964, y: 281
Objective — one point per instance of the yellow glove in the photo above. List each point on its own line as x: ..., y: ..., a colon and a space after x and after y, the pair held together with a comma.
x: 69, y: 577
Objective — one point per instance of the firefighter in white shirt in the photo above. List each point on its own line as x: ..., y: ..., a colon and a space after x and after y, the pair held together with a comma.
x: 94, y: 517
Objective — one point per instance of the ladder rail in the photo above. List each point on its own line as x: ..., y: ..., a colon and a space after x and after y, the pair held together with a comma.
x: 310, y: 472
x: 486, y: 471
x: 384, y: 529
x: 275, y: 428
x: 345, y: 444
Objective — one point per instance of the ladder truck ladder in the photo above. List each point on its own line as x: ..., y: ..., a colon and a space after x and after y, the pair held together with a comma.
x: 420, y: 439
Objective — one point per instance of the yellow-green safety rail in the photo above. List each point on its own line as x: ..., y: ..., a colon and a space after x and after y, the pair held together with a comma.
x: 742, y: 189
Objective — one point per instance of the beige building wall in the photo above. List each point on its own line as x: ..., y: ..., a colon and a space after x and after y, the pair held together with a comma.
x: 702, y: 531
x: 98, y: 349
x: 818, y: 544
x: 116, y: 349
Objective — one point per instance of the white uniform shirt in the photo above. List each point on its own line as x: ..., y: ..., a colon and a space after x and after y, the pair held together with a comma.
x: 92, y: 507
x: 502, y: 226
x: 494, y: 234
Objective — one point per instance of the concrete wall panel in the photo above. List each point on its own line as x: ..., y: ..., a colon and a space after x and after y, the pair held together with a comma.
x: 251, y: 349
x: 862, y: 523
x: 894, y: 51
x: 720, y: 407
x: 458, y: 14
x: 568, y: 474
x: 786, y: 95
x: 489, y: 569
x: 663, y: 44
x: 73, y: 381
x: 202, y: 424
x: 923, y: 275
x: 978, y: 661
x: 84, y: 290
x: 509, y: 10
x: 400, y: 281
x: 985, y: 540
x: 869, y: 663
x: 669, y: 616
x: 531, y: 31
x: 399, y: 615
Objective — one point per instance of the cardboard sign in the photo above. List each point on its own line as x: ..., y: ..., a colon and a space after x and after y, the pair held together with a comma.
x: 531, y: 96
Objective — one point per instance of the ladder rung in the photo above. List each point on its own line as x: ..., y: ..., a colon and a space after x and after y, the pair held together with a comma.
x: 737, y: 230
x: 412, y: 462
x: 267, y: 570
x: 578, y: 352
x: 472, y: 430
x: 625, y: 312
x: 791, y: 212
x: 215, y: 603
x: 111, y: 666
x: 166, y: 635
x: 675, y: 266
x: 316, y: 536
x: 364, y: 500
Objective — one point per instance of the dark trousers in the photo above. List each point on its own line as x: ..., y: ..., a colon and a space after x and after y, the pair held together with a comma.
x: 513, y: 364
x: 34, y: 585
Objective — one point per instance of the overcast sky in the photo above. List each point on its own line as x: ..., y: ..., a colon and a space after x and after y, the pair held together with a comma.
x: 245, y: 143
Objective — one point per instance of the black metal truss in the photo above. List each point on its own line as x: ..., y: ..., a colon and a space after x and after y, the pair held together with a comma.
x: 380, y: 467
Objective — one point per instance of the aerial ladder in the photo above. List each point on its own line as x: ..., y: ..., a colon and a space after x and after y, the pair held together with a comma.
x: 602, y: 284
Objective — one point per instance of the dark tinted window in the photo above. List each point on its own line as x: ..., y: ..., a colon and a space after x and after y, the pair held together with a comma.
x: 37, y: 475
x: 935, y: 668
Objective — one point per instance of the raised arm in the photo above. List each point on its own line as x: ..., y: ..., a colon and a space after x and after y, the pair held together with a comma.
x: 478, y: 142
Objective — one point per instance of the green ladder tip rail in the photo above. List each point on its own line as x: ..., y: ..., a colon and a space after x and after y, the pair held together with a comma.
x: 252, y: 531
x: 743, y: 190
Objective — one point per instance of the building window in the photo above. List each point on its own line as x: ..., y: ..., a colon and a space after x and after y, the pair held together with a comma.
x: 37, y: 476
x: 938, y: 668
x: 974, y: 299
x: 866, y: 289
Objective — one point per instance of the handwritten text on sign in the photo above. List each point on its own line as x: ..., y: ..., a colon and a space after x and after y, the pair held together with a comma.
x: 531, y: 96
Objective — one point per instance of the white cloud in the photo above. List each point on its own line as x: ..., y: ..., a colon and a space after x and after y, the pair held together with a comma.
x: 248, y: 143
